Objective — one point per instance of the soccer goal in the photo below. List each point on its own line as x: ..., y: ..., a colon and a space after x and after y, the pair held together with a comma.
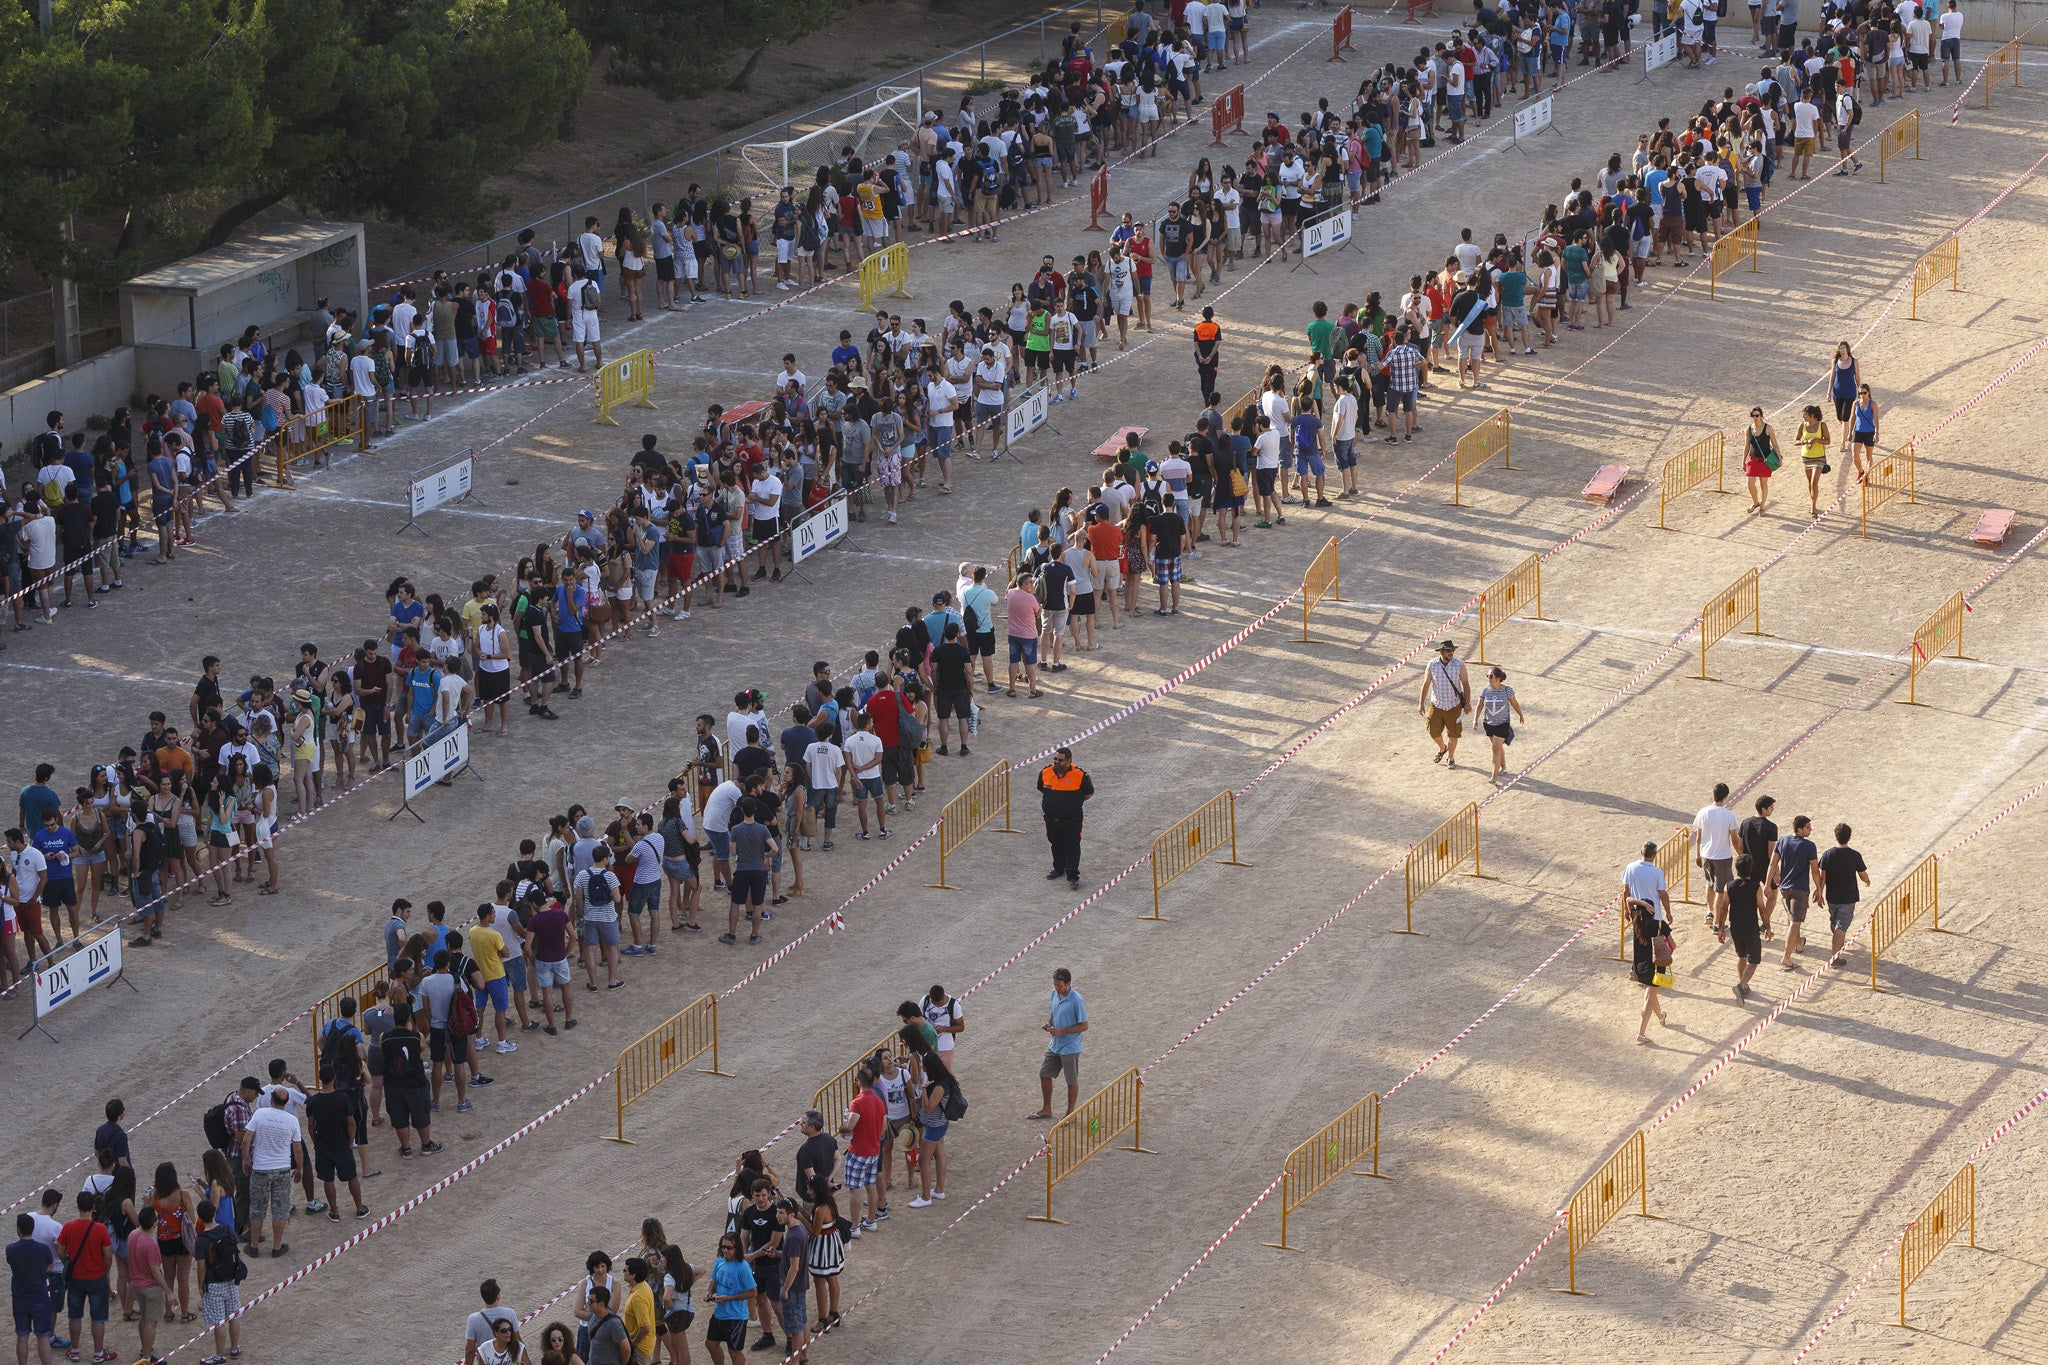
x: 876, y: 129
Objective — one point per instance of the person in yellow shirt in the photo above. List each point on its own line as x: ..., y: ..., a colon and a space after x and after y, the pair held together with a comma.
x: 639, y: 1312
x: 487, y: 947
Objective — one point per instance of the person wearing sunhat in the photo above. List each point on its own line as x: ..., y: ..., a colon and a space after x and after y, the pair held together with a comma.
x: 1446, y: 697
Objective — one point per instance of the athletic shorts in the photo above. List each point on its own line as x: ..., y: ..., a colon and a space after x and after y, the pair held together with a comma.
x: 982, y: 643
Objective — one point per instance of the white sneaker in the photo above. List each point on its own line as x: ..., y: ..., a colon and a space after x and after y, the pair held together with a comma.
x: 920, y: 1203
x: 508, y: 1046
x: 938, y: 1194
x: 679, y: 615
x: 892, y: 518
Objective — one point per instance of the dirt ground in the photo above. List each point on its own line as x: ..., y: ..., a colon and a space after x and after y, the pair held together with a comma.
x: 1776, y: 1187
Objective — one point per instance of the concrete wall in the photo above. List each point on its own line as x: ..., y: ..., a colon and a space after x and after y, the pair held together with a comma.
x: 98, y: 385
x: 2000, y: 21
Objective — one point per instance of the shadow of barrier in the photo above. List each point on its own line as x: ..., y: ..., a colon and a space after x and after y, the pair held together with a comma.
x: 311, y: 433
x: 1935, y: 634
x: 1689, y: 469
x: 1517, y: 592
x: 1090, y: 1128
x: 1947, y: 1214
x: 1318, y: 582
x: 1353, y: 1136
x: 835, y: 1096
x: 1674, y: 860
x: 362, y: 990
x: 1896, y: 473
x: 1438, y: 856
x: 1729, y: 249
x: 1622, y: 1178
x: 972, y: 811
x: 1900, y: 908
x: 1945, y: 259
x: 1727, y: 609
x: 1192, y: 840
x: 1478, y: 446
x: 1892, y: 141
x: 667, y: 1049
x: 625, y: 382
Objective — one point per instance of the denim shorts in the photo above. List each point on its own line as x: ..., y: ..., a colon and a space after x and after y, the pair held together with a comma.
x: 1023, y: 651
x: 515, y: 973
x: 721, y: 844
x: 548, y: 974
x: 603, y: 933
x: 79, y: 1294
x: 644, y: 898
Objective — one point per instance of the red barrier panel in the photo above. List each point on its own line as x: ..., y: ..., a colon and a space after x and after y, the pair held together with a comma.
x: 1422, y: 7
x: 1340, y: 32
x: 1226, y: 111
x: 1098, y: 200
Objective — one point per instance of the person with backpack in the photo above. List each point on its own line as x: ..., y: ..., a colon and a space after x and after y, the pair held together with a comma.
x: 221, y: 1272
x: 586, y: 297
x: 406, y: 1097
x: 226, y: 1126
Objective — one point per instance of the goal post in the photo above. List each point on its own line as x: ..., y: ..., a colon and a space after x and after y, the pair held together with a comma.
x: 896, y: 112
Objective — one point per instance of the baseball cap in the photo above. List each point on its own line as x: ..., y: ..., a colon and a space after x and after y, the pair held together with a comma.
x: 587, y: 514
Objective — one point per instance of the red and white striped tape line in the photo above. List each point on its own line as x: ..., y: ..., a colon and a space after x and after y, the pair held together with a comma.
x: 1955, y: 112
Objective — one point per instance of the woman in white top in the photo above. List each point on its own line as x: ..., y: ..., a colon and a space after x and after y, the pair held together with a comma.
x: 494, y: 668
x: 1148, y: 117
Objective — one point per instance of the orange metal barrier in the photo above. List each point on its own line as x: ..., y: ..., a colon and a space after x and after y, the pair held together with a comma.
x: 1674, y: 860
x: 1319, y: 582
x: 1478, y: 446
x: 1918, y: 892
x: 1948, y: 1213
x: 362, y: 990
x: 1623, y: 1177
x: 1226, y: 113
x: 972, y: 811
x: 1426, y: 8
x: 1439, y: 855
x: 1729, y: 249
x: 1690, y: 468
x: 660, y: 1054
x: 303, y: 437
x: 2001, y: 66
x: 1892, y: 141
x: 1343, y: 1142
x: 1517, y: 592
x: 1098, y: 200
x: 1090, y: 1128
x: 835, y: 1096
x: 1936, y: 634
x: 1193, y: 839
x: 1945, y: 259
x: 1726, y: 610
x: 1340, y: 35
x: 1889, y: 477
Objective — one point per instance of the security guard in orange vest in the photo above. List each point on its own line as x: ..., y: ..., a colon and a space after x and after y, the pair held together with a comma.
x: 1208, y: 351
x: 1063, y: 789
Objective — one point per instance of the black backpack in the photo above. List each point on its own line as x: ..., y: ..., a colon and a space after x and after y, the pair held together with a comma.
x: 215, y: 1121
x: 223, y: 1257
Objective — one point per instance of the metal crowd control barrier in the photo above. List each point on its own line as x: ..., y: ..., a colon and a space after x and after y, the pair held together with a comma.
x: 1116, y: 32
x: 1340, y: 35
x: 1900, y: 908
x: 1340, y: 1144
x: 1674, y: 860
x: 1625, y: 1176
x: 1192, y: 840
x: 362, y: 990
x: 2002, y: 65
x: 1090, y: 1128
x: 1729, y: 249
x: 1439, y: 855
x: 1726, y: 610
x: 1226, y: 112
x: 1892, y: 141
x: 627, y: 380
x: 1945, y: 259
x: 673, y: 1045
x: 1517, y: 592
x: 972, y: 811
x: 308, y: 435
x: 1935, y: 634
x: 1927, y: 1236
x: 1690, y: 468
x: 1098, y: 200
x: 835, y: 1096
x: 1478, y: 446
x: 1318, y: 582
x: 887, y: 271
x: 1889, y: 477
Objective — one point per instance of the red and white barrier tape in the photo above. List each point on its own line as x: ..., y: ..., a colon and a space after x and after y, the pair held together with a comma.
x: 1955, y: 112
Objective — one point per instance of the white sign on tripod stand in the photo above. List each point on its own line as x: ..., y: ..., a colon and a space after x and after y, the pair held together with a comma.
x: 438, y: 484
x: 1658, y: 52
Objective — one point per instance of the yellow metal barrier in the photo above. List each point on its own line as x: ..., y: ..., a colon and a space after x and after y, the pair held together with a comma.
x: 1624, y: 1177
x: 1319, y: 582
x: 1343, y: 1142
x: 1690, y: 468
x: 1945, y: 259
x: 1892, y: 141
x: 1726, y: 610
x: 1439, y: 855
x: 1918, y: 892
x: 972, y: 811
x: 1090, y: 1128
x: 1729, y: 249
x: 2001, y: 66
x: 885, y: 272
x: 362, y: 990
x: 835, y: 1096
x: 303, y: 437
x: 1889, y: 477
x: 1193, y: 839
x: 627, y: 380
x: 1948, y: 1213
x: 1674, y: 860
x: 1117, y: 31
x: 1517, y: 592
x: 660, y: 1054
x: 1936, y: 634
x: 1478, y: 446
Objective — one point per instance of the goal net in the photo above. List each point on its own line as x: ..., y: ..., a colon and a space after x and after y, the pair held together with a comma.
x: 894, y: 115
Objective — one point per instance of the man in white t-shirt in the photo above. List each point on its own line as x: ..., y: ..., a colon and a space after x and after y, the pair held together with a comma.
x: 272, y: 1156
x: 764, y: 512
x: 1217, y: 15
x: 1713, y: 848
x: 1344, y: 436
x: 39, y: 544
x: 719, y: 809
x: 1919, y: 51
x: 824, y: 777
x: 590, y: 251
x: 1805, y: 121
x: 940, y: 399
x: 864, y: 773
x: 1641, y: 881
x: 1952, y: 43
x: 586, y: 296
x: 1845, y: 134
x: 990, y: 375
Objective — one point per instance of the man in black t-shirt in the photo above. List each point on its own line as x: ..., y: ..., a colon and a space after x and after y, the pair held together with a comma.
x: 1056, y: 595
x: 814, y: 1159
x: 405, y: 1083
x: 953, y: 684
x: 1757, y: 836
x: 757, y: 1224
x: 332, y: 1117
x: 1168, y: 534
x: 1841, y: 870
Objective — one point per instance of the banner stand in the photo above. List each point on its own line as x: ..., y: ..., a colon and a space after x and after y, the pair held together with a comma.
x: 437, y: 484
x: 104, y: 964
x: 1031, y: 410
x: 1331, y: 230
x: 442, y: 756
x: 1658, y: 52
x: 1530, y: 121
x: 823, y: 527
